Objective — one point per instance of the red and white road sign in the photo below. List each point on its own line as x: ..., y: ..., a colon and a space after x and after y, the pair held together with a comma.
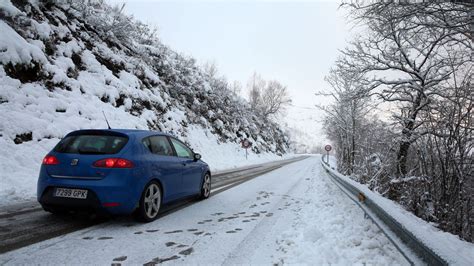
x: 328, y: 148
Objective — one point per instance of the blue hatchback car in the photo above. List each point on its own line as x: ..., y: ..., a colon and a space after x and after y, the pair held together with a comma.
x: 120, y: 171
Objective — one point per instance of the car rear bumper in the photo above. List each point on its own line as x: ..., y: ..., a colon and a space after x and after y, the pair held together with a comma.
x: 113, y: 194
x: 91, y: 203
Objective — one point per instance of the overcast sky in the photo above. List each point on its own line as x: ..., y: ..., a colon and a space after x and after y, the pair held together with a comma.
x: 294, y: 42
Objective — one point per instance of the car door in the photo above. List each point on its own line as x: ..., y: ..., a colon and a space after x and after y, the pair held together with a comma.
x: 192, y: 172
x: 165, y: 166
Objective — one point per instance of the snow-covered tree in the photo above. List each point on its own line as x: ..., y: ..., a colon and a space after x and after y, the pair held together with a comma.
x: 415, y: 61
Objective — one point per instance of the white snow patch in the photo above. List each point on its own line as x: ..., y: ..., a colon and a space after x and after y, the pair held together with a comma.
x: 10, y: 10
x: 15, y: 49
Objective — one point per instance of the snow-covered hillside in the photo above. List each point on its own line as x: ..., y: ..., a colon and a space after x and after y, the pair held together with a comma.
x: 58, y: 73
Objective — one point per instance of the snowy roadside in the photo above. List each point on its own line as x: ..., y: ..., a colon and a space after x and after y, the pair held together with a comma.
x: 448, y: 246
x: 20, y: 164
x: 294, y: 214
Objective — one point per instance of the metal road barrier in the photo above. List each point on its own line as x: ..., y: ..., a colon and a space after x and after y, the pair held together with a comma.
x: 390, y: 227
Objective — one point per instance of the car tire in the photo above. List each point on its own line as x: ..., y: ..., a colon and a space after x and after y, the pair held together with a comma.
x: 205, y: 187
x: 150, y: 203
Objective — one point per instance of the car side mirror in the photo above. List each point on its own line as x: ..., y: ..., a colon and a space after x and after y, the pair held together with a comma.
x: 197, y: 157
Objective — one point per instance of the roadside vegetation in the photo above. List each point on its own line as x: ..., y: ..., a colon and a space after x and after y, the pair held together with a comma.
x: 402, y: 111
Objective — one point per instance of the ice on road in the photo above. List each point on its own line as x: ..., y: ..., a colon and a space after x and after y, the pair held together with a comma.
x: 294, y: 214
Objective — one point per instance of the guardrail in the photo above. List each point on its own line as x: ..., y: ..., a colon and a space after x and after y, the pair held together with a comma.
x: 395, y: 232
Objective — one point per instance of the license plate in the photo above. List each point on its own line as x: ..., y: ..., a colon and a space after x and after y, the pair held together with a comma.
x: 70, y: 193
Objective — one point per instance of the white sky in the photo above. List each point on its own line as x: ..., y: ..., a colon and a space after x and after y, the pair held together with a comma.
x: 293, y: 42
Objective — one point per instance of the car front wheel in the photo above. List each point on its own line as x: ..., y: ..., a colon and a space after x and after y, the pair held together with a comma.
x: 206, y: 187
x: 150, y: 202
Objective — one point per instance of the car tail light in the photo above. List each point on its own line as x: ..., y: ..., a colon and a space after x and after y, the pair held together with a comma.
x: 50, y: 160
x: 113, y: 163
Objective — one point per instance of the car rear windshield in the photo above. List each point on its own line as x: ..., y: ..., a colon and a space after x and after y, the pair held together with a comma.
x: 91, y: 144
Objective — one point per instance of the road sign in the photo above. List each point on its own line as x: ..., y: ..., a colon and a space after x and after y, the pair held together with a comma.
x: 328, y: 148
x: 246, y: 144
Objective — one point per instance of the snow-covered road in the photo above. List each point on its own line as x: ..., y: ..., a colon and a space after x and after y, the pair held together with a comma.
x: 294, y: 214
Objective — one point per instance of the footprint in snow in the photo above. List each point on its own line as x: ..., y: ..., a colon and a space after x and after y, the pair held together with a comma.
x: 187, y: 251
x: 255, y: 214
x: 138, y: 233
x: 192, y: 230
x: 231, y: 232
x: 169, y: 244
x: 199, y: 233
x: 157, y: 260
x: 121, y: 258
x: 217, y: 213
x: 152, y: 230
x: 104, y: 238
x: 87, y: 238
x: 227, y: 218
x: 173, y: 232
x: 269, y: 214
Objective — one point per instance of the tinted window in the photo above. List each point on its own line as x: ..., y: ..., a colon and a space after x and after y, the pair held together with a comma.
x: 181, y: 149
x: 91, y: 144
x: 158, y: 145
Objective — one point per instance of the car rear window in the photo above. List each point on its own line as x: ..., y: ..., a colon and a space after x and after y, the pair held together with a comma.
x: 91, y: 144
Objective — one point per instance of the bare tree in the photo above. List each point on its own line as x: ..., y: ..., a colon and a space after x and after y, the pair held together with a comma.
x: 236, y: 87
x: 345, y: 114
x: 268, y: 98
x: 404, y: 62
x: 275, y: 98
x: 210, y: 68
x: 255, y: 86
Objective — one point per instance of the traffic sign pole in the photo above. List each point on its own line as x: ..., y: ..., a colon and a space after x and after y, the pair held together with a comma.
x: 246, y: 144
x: 328, y: 149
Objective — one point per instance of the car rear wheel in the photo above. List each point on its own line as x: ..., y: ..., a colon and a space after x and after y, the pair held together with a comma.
x: 206, y: 187
x: 150, y: 202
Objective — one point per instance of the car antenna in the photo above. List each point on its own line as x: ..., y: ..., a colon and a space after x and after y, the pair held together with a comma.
x: 106, y: 119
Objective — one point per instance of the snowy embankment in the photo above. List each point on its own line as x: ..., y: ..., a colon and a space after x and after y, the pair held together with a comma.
x: 294, y: 214
x: 448, y: 246
x: 59, y: 73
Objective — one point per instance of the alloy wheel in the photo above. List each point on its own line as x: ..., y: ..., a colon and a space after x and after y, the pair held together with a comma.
x: 152, y: 200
